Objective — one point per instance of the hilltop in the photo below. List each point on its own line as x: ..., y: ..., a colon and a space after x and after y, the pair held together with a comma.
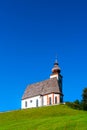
x: 58, y: 117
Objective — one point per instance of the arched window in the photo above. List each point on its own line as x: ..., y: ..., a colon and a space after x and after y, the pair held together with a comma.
x: 50, y: 102
x: 36, y: 102
x: 56, y: 100
x: 25, y: 103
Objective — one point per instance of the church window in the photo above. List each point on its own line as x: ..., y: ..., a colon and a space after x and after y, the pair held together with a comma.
x: 37, y: 103
x: 50, y: 102
x: 25, y: 103
x: 30, y: 101
x: 56, y: 100
x: 42, y: 100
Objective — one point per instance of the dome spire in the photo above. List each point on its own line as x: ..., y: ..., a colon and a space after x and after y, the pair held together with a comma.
x: 56, y: 60
x: 56, y: 68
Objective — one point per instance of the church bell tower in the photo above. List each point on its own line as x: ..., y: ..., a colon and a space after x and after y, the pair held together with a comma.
x: 55, y: 70
x: 56, y: 73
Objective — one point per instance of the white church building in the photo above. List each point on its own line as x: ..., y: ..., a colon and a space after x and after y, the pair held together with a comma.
x: 44, y: 93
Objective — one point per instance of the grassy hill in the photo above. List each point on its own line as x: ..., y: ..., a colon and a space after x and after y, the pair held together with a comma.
x: 59, y: 117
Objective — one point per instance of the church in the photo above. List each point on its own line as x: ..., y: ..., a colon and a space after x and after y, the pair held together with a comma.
x: 44, y: 93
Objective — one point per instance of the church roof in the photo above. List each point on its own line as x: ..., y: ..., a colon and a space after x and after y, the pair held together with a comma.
x: 42, y: 88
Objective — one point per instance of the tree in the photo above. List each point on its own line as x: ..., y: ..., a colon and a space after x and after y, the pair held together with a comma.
x: 84, y: 99
x: 77, y: 102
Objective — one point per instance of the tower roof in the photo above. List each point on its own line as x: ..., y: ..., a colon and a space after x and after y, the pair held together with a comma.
x: 56, y: 68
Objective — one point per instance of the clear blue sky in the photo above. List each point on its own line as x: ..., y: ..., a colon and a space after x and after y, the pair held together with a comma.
x: 32, y: 32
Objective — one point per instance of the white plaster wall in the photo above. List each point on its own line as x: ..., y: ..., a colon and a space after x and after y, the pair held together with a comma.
x: 50, y: 95
x: 54, y: 75
x: 45, y: 100
x: 58, y: 98
x: 33, y: 99
x: 31, y: 104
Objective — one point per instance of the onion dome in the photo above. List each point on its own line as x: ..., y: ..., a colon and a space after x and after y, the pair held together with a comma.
x: 56, y: 68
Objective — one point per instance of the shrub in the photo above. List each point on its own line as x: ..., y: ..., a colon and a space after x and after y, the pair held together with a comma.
x: 75, y: 105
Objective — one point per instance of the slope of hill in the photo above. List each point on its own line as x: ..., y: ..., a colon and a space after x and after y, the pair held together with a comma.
x: 59, y: 117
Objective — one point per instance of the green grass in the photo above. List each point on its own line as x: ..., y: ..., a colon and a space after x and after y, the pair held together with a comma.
x: 59, y: 117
